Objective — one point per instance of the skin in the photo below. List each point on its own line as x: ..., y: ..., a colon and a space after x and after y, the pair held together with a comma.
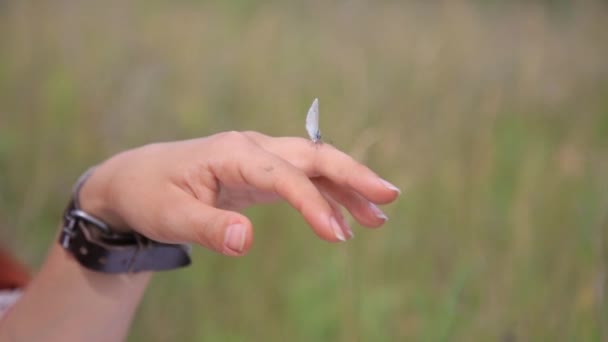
x: 191, y: 192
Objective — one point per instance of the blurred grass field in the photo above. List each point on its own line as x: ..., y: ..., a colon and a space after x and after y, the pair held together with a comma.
x: 491, y: 117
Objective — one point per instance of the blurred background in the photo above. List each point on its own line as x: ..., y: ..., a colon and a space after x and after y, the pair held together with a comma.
x: 492, y: 117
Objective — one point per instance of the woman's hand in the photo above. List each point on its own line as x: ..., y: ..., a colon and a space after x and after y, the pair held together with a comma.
x: 191, y: 191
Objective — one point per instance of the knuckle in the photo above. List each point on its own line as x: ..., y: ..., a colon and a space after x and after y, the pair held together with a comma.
x: 208, y: 230
x: 241, y: 139
x: 281, y: 186
x: 199, y: 228
x: 298, y: 204
x: 228, y: 136
x: 234, y: 135
x: 201, y: 237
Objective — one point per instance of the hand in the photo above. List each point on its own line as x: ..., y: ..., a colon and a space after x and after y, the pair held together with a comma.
x: 190, y: 191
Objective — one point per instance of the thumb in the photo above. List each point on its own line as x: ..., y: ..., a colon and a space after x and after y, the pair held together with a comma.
x: 223, y: 231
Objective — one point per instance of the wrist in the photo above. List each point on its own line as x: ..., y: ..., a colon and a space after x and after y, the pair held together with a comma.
x: 96, y: 244
x: 94, y: 197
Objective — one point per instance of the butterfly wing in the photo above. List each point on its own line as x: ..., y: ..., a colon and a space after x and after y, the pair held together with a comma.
x: 312, y: 122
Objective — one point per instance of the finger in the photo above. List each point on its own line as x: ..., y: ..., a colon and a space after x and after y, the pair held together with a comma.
x: 364, y: 211
x: 327, y: 161
x: 186, y: 219
x: 337, y: 209
x: 265, y: 171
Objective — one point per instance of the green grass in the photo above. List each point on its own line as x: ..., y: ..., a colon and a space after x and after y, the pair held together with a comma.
x: 492, y: 117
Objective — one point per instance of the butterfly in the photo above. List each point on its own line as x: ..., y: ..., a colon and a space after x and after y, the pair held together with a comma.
x: 312, y: 122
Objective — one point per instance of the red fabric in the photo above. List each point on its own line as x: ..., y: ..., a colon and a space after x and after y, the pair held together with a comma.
x: 12, y: 273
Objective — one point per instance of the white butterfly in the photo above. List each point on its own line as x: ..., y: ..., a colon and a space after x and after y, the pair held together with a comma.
x: 312, y: 122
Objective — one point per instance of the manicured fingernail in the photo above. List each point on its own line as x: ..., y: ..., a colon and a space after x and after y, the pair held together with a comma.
x: 335, y: 226
x: 390, y: 186
x: 379, y: 214
x: 234, y: 241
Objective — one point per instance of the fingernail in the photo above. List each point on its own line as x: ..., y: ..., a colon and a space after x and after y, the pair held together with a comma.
x: 379, y: 214
x: 335, y: 226
x: 390, y: 186
x: 346, y: 228
x: 234, y: 240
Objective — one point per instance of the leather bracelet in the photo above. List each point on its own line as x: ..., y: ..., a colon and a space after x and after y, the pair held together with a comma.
x: 96, y: 247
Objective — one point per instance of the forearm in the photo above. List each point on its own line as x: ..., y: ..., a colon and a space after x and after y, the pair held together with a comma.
x: 66, y: 302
